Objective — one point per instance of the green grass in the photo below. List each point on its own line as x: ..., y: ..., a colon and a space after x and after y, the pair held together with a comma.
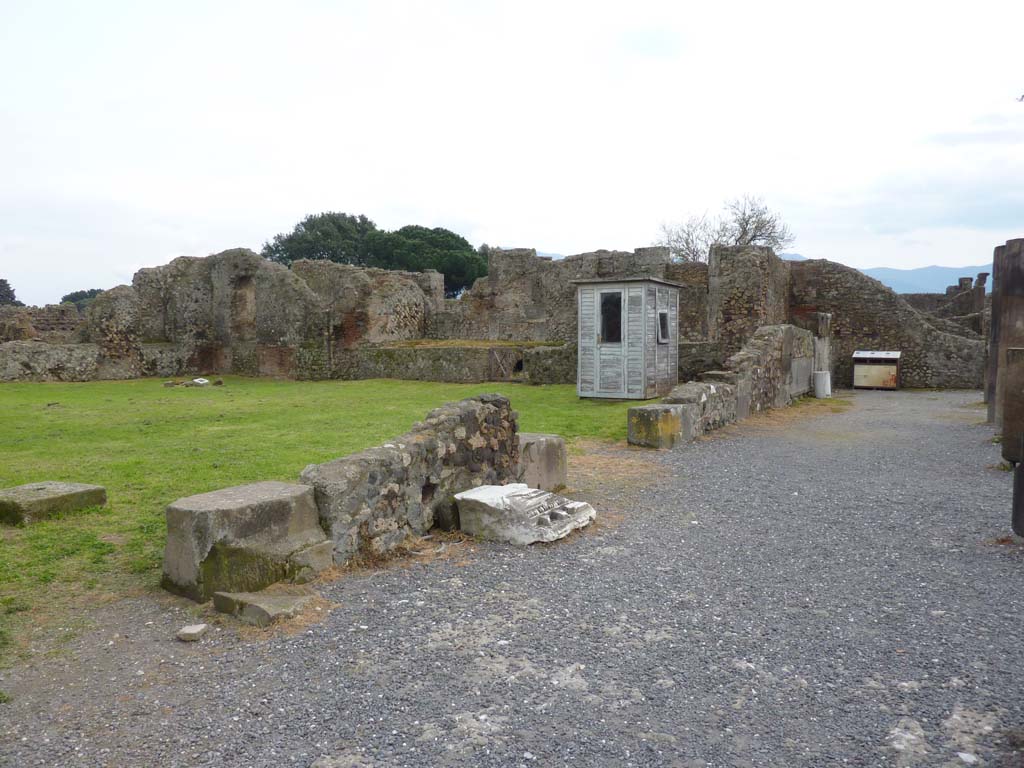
x: 150, y: 445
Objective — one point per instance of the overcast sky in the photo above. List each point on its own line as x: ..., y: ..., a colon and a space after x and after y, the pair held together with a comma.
x: 130, y: 133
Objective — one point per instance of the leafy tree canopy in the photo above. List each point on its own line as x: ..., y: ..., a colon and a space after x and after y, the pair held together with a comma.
x: 331, y: 236
x: 81, y: 299
x: 7, y: 295
x: 347, y: 239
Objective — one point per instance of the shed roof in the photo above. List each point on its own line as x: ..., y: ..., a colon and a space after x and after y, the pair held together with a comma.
x: 601, y: 280
x: 864, y: 354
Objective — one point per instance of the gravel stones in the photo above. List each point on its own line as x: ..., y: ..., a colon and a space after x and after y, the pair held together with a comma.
x: 37, y: 501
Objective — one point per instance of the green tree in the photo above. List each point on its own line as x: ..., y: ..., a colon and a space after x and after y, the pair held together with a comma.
x: 81, y: 299
x: 7, y: 296
x: 330, y: 236
x: 416, y: 248
x: 348, y: 239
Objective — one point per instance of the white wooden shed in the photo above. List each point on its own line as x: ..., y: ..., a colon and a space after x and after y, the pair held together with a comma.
x: 628, y: 337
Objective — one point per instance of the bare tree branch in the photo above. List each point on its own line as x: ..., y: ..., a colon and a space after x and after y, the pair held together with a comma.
x: 745, y: 220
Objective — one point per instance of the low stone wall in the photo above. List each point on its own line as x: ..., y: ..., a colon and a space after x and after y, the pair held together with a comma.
x: 550, y: 365
x: 776, y: 367
x: 712, y: 404
x: 467, y: 365
x: 373, y: 500
x: 39, y: 361
x: 451, y: 364
x: 772, y: 370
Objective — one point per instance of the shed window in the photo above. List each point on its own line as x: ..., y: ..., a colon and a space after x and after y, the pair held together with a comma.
x: 611, y: 317
x: 663, y: 326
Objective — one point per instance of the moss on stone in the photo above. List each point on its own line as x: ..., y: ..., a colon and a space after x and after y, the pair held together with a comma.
x: 230, y: 569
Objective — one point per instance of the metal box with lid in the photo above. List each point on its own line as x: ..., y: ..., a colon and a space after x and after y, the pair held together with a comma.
x: 876, y: 369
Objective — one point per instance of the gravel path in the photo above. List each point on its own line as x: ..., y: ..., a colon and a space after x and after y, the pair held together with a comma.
x: 795, y: 591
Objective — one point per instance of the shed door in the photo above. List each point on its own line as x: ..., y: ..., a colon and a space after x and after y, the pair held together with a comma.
x: 610, y: 311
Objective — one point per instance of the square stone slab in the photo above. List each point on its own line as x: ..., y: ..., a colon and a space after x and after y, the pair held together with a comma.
x: 37, y: 501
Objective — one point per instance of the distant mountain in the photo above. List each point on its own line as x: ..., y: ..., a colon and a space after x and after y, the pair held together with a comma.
x: 925, y: 279
x: 792, y: 257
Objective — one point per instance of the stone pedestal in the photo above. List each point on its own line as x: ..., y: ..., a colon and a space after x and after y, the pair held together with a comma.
x: 543, y: 461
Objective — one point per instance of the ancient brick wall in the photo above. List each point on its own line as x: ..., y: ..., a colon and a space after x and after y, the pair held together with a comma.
x: 868, y: 315
x: 54, y: 323
x: 373, y: 500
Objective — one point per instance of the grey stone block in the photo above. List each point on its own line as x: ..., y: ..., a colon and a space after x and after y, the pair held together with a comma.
x: 38, y: 501
x: 655, y: 426
x: 543, y: 461
x: 243, y: 539
x: 518, y: 514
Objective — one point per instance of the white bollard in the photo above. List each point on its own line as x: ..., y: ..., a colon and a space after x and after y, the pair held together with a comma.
x: 822, y: 384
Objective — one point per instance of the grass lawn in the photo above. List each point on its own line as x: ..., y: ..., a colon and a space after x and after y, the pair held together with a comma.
x: 150, y: 445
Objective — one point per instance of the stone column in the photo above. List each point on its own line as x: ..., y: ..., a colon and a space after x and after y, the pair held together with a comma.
x: 823, y: 343
x: 992, y: 364
x: 1011, y: 323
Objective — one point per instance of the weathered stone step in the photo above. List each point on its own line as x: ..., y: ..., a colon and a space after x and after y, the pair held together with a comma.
x: 262, y: 608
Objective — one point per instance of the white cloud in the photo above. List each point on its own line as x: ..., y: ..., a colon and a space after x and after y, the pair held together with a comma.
x: 136, y: 132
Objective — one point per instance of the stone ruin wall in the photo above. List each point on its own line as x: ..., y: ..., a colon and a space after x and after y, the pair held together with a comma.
x: 868, y: 315
x: 235, y: 312
x: 964, y: 304
x: 747, y: 287
x: 526, y: 297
